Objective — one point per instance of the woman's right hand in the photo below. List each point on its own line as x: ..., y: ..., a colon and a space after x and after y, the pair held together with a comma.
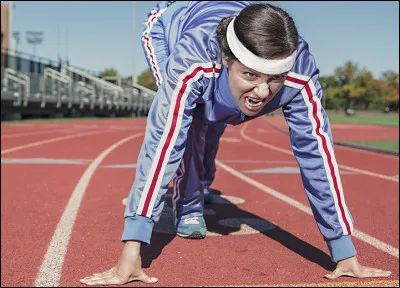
x: 128, y: 268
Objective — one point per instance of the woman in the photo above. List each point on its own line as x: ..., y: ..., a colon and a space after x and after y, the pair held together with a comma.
x: 219, y: 63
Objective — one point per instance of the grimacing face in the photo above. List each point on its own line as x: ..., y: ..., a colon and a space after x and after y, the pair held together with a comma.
x: 252, y: 90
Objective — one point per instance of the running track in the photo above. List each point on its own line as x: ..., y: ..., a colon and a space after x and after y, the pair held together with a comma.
x: 62, y: 203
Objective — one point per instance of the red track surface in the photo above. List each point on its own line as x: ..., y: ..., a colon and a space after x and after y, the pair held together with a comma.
x: 34, y: 196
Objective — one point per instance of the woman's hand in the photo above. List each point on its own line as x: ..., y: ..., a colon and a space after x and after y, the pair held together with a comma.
x: 351, y: 267
x: 128, y: 268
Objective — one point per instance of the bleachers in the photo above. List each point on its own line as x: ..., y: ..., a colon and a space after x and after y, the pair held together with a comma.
x: 66, y: 91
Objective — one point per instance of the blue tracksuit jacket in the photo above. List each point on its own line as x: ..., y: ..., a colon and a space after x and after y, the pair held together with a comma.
x: 181, y: 48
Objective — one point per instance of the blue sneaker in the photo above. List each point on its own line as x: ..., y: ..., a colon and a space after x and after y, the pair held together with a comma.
x: 192, y: 228
x: 208, y: 195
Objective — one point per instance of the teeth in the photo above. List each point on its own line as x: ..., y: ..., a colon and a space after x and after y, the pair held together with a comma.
x: 253, y: 103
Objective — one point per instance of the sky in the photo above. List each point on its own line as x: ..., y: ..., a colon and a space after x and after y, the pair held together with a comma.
x: 97, y: 35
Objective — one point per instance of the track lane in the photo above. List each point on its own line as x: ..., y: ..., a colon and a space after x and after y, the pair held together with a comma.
x: 286, y: 261
x: 47, y: 140
x: 349, y: 131
x: 346, y: 158
x: 95, y: 242
x: 84, y: 146
x: 375, y: 192
x: 50, y: 269
x: 81, y: 259
x: 288, y: 251
x: 33, y: 198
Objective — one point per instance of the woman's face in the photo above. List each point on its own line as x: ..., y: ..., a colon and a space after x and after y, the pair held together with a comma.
x: 252, y: 90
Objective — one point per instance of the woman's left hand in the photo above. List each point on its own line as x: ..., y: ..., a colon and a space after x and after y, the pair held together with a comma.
x: 351, y: 267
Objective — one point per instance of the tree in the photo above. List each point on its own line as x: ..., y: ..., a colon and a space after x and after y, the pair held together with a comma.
x: 332, y: 93
x: 370, y: 89
x: 146, y: 79
x: 109, y: 72
x: 346, y: 77
x: 390, y: 83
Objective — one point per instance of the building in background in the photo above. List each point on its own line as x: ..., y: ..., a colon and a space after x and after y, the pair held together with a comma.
x: 7, y: 40
x: 4, y: 25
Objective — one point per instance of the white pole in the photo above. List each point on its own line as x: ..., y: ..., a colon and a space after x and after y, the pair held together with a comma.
x: 134, y: 41
x: 66, y: 45
x: 58, y: 43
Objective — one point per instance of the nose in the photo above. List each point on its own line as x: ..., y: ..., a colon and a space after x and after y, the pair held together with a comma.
x: 262, y: 90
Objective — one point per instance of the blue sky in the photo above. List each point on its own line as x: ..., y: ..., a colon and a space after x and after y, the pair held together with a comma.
x: 101, y: 33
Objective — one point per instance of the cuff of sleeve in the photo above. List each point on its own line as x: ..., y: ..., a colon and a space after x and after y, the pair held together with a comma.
x: 341, y: 248
x: 137, y: 228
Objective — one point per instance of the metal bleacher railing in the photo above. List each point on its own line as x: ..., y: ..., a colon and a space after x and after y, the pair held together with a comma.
x: 18, y: 83
x: 42, y: 86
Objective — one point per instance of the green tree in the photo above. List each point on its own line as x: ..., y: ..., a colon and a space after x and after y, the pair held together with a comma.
x: 390, y: 82
x: 109, y: 72
x: 346, y: 77
x: 332, y: 98
x: 146, y: 79
x: 370, y: 90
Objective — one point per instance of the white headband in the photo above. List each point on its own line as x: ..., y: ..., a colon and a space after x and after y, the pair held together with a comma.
x: 254, y: 62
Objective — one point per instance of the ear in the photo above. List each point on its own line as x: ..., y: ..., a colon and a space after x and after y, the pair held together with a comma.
x: 225, y: 63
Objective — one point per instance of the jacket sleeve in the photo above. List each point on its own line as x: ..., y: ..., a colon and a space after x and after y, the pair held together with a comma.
x: 186, y: 76
x: 154, y: 43
x: 312, y: 144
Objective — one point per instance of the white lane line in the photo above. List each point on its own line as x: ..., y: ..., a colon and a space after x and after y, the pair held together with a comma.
x: 356, y: 233
x: 229, y: 139
x: 367, y: 152
x: 50, y: 271
x: 26, y: 134
x: 50, y: 141
x: 259, y: 161
x: 22, y: 159
x: 289, y: 152
x: 42, y: 161
x: 340, y: 146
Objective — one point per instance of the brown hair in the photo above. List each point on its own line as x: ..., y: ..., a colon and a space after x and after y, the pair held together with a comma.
x: 266, y: 30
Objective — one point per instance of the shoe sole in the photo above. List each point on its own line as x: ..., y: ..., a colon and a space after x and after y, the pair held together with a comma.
x: 194, y: 235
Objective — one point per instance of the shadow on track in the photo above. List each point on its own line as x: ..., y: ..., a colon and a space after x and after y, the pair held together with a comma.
x: 228, y: 219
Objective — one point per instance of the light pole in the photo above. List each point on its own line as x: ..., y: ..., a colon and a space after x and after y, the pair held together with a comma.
x: 34, y: 38
x: 66, y: 46
x: 16, y: 37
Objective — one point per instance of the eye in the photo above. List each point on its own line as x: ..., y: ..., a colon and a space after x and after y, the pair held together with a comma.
x: 249, y: 75
x: 278, y: 77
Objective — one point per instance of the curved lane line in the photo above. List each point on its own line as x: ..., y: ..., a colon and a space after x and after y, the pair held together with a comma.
x: 50, y: 271
x: 390, y: 178
x: 26, y: 134
x: 50, y: 141
x: 357, y: 234
x: 367, y: 152
x: 276, y: 127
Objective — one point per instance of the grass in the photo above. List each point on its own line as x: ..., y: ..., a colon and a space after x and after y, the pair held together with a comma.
x: 392, y: 145
x: 370, y: 117
x: 375, y: 119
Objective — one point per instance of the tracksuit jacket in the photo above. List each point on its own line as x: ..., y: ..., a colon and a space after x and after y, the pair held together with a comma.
x: 179, y: 40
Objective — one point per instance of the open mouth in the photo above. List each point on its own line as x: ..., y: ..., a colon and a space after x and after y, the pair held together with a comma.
x: 253, y: 102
